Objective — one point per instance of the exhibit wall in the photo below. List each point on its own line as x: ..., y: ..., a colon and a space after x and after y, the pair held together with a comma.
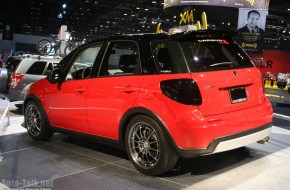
x: 272, y: 61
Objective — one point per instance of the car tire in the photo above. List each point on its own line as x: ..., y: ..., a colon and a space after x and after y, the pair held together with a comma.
x: 148, y: 148
x: 36, y: 122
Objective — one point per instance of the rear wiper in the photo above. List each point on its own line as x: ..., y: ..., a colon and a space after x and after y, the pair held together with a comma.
x: 222, y: 63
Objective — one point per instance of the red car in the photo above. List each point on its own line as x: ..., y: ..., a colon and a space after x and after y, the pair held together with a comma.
x: 158, y: 96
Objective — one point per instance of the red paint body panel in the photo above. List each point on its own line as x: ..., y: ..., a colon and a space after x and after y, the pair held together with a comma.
x: 107, y: 100
x: 66, y: 104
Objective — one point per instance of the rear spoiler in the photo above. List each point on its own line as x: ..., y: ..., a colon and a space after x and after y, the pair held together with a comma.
x: 204, y: 34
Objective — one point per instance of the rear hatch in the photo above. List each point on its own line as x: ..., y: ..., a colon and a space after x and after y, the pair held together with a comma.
x: 229, y: 90
x: 225, y: 75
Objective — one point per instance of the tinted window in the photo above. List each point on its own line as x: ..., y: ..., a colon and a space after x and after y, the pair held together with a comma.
x: 37, y: 68
x: 121, y: 59
x: 169, y: 57
x: 215, y: 54
x: 173, y: 56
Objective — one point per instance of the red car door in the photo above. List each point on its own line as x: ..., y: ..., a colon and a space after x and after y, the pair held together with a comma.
x: 67, y: 100
x: 107, y: 100
x: 67, y: 105
x: 115, y: 89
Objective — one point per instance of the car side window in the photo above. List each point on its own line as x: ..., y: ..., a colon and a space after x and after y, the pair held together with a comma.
x: 49, y: 68
x: 168, y: 57
x: 37, y: 68
x: 82, y: 66
x: 122, y: 58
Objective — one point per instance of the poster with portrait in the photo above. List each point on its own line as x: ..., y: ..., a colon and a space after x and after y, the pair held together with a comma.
x: 251, y: 29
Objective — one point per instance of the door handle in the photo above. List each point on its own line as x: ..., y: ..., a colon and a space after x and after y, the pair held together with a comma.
x: 79, y: 91
x: 128, y: 89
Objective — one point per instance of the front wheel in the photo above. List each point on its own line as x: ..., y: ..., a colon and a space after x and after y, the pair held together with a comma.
x: 44, y: 46
x: 147, y: 147
x: 36, y: 122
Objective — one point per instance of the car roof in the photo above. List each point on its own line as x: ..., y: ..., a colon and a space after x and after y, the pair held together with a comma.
x: 26, y: 63
x: 160, y: 36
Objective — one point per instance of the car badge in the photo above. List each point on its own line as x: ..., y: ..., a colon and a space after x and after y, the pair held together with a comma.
x: 235, y: 73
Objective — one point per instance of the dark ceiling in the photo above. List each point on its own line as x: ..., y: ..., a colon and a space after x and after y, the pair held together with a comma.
x: 99, y: 18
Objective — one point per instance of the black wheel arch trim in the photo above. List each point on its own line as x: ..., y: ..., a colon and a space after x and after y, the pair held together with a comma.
x: 131, y: 113
x: 35, y: 98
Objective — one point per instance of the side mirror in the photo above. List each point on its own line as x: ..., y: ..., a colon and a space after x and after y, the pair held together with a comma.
x: 54, y: 76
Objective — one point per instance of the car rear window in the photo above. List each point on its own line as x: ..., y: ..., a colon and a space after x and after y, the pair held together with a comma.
x: 205, y: 54
x: 214, y: 54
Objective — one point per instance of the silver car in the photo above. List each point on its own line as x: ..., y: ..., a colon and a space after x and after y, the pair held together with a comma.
x: 29, y: 71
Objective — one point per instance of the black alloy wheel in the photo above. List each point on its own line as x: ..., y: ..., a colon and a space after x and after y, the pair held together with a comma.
x: 148, y: 149
x: 36, y: 122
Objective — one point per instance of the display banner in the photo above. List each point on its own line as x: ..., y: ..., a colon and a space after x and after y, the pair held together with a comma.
x: 251, y: 29
x: 272, y: 61
x: 253, y: 4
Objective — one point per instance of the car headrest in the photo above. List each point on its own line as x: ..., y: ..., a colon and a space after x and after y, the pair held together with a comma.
x: 163, y: 57
x: 127, y: 63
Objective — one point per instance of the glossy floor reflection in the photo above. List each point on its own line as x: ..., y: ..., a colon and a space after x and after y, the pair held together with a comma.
x: 70, y: 163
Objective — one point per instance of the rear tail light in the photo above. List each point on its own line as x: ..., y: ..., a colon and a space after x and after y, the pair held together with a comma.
x: 184, y: 91
x: 15, y: 80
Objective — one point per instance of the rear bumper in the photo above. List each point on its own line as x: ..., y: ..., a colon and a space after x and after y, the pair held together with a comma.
x: 229, y: 142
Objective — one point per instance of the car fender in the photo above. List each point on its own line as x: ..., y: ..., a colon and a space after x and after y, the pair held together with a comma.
x: 131, y: 113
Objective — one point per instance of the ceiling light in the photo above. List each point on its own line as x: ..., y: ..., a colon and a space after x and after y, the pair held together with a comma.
x: 153, y: 1
x: 288, y: 9
x: 138, y: 8
x: 146, y: 9
x: 125, y: 14
x: 64, y: 6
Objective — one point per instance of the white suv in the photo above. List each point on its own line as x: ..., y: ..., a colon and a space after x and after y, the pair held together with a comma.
x: 29, y: 70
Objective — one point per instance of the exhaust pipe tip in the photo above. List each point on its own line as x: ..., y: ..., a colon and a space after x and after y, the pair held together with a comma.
x: 264, y: 140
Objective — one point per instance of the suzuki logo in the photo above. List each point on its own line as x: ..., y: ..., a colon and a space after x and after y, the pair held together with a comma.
x: 235, y: 73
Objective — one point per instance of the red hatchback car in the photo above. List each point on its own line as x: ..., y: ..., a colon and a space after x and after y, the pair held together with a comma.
x: 158, y: 96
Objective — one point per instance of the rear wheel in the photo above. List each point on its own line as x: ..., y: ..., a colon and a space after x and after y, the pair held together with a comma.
x: 148, y: 149
x: 36, y: 122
